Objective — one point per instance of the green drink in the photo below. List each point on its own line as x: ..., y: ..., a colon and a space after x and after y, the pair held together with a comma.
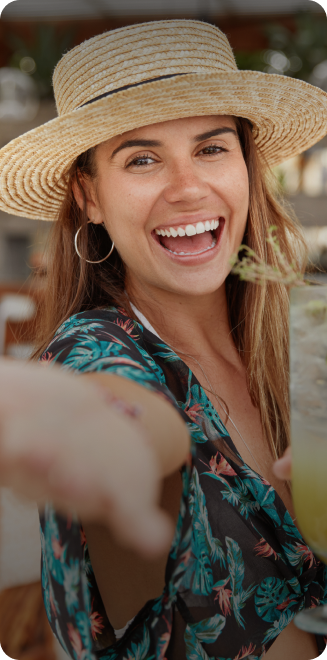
x: 308, y: 386
x: 310, y: 485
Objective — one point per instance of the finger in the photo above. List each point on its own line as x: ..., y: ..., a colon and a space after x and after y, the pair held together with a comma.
x: 150, y: 533
x: 283, y: 467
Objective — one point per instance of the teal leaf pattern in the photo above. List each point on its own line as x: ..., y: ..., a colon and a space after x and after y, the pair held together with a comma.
x: 194, y: 649
x: 139, y: 651
x: 270, y: 595
x: 238, y: 569
x: 206, y: 549
x: 278, y: 626
x: 208, y: 630
x: 239, y: 496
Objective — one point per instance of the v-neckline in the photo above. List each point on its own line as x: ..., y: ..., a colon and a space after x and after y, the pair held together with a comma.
x: 149, y: 328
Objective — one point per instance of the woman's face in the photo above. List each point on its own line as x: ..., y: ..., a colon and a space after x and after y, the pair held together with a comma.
x: 174, y: 198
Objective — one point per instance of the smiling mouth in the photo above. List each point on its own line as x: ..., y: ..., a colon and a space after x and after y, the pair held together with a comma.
x: 190, y: 240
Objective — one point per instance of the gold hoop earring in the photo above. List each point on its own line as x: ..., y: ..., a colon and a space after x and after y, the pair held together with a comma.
x: 87, y: 260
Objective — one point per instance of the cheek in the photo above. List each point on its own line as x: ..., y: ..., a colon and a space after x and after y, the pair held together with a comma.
x: 237, y: 194
x: 124, y: 211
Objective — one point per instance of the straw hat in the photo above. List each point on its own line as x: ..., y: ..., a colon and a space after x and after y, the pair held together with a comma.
x: 143, y: 74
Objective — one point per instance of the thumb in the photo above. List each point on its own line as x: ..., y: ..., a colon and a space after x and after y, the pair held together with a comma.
x: 150, y: 533
x: 283, y: 467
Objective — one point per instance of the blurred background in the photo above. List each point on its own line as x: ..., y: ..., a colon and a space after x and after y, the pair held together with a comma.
x: 287, y: 37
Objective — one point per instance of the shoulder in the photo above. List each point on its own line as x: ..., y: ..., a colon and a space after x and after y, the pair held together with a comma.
x: 97, y: 321
x: 96, y: 325
x: 103, y: 339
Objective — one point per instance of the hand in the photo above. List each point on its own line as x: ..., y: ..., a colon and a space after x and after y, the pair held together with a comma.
x: 60, y: 441
x: 283, y: 467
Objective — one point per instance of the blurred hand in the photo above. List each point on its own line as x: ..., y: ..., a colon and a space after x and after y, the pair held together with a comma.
x: 60, y: 441
x: 283, y: 467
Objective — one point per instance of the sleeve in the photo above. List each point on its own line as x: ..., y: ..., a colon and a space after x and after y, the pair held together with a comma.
x: 89, y: 342
x: 99, y: 341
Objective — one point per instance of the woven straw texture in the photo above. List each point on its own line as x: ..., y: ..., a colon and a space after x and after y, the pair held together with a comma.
x: 288, y: 115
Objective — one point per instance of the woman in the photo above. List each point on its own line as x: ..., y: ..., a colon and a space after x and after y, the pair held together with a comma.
x: 163, y: 145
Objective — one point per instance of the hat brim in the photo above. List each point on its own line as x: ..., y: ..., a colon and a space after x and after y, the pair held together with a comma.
x: 288, y: 116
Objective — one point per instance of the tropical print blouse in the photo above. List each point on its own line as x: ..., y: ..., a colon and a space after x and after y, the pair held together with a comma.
x: 238, y: 569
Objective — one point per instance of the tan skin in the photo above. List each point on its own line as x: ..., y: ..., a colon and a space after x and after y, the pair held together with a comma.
x: 137, y: 190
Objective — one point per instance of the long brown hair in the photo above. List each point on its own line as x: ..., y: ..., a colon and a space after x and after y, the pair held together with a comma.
x: 258, y: 313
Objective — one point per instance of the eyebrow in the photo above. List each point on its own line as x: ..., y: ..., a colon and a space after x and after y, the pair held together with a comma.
x: 156, y: 143
x: 136, y: 143
x: 214, y: 133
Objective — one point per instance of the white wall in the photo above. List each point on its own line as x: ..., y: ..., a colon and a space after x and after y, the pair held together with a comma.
x: 20, y: 549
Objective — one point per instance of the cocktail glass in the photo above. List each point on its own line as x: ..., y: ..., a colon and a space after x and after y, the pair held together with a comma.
x: 308, y: 387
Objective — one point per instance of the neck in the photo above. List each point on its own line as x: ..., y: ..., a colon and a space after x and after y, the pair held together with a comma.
x: 196, y: 325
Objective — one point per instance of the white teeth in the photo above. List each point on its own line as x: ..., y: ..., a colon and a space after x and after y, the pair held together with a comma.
x: 190, y: 230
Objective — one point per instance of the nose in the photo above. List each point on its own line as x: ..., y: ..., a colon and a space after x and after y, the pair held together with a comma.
x: 186, y: 183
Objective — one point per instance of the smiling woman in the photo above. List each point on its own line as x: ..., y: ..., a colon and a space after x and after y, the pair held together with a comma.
x: 156, y: 171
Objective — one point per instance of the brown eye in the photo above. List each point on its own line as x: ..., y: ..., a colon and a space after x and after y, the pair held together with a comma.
x: 140, y: 161
x: 212, y: 150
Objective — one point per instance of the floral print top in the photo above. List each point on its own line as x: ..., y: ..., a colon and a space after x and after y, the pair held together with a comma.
x: 238, y: 569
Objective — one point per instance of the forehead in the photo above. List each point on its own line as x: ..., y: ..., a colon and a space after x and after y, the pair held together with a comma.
x: 188, y: 126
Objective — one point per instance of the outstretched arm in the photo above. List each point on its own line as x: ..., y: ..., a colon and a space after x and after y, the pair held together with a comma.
x: 64, y: 439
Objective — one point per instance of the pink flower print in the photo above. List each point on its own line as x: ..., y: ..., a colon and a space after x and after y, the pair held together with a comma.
x: 128, y: 326
x: 164, y: 641
x: 264, y: 481
x: 245, y: 651
x: 122, y: 311
x: 264, y: 549
x: 286, y: 603
x: 75, y: 640
x: 221, y: 466
x: 224, y: 596
x: 194, y: 412
x: 307, y: 553
x: 57, y: 548
x: 46, y: 358
x: 96, y: 624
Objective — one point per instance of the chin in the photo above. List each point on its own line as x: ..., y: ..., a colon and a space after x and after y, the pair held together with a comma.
x: 195, y: 286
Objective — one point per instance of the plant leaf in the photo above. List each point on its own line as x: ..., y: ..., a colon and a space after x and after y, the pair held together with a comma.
x: 208, y: 630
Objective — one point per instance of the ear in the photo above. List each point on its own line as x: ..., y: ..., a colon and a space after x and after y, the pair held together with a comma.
x: 84, y: 189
